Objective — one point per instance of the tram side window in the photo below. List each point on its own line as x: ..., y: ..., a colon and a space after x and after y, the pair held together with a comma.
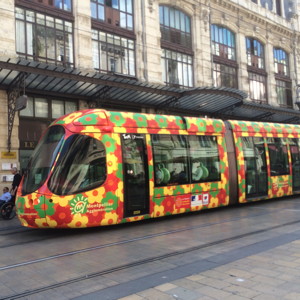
x: 81, y: 166
x: 295, y: 153
x: 255, y: 165
x: 170, y: 159
x: 278, y: 153
x: 205, y: 161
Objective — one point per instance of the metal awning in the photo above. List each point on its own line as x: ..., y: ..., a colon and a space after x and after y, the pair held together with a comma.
x: 57, y: 81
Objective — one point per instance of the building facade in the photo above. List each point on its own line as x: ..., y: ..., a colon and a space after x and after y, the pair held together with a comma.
x: 252, y: 46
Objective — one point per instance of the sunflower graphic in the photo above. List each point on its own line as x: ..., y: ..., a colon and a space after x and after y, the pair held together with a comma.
x: 79, y: 204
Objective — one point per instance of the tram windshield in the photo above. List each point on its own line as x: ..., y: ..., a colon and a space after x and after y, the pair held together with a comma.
x: 42, y: 159
x: 81, y: 166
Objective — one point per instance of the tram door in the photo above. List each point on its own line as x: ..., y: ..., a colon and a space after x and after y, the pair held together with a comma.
x: 255, y: 166
x: 295, y: 151
x: 135, y: 171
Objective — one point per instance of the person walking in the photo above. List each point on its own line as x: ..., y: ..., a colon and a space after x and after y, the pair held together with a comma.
x: 16, y: 181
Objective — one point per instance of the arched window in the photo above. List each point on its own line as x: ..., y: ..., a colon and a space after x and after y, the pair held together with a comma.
x: 116, y: 13
x: 176, y: 43
x: 255, y: 53
x: 283, y: 80
x: 256, y: 70
x: 224, y: 57
x: 281, y: 61
x: 175, y: 26
x: 113, y: 37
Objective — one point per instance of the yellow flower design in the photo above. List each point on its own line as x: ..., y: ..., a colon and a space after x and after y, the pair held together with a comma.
x: 78, y: 221
x: 158, y: 211
x: 62, y: 201
x: 168, y: 191
x: 119, y: 191
x: 109, y: 219
x: 91, y: 129
x: 43, y: 222
x: 112, y: 163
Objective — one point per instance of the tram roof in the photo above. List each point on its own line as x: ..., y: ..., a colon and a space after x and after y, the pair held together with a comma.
x: 95, y: 88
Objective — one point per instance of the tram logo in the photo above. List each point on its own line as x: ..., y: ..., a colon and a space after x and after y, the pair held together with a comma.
x: 79, y: 205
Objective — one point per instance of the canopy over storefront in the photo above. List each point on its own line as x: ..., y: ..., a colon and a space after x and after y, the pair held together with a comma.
x: 19, y: 75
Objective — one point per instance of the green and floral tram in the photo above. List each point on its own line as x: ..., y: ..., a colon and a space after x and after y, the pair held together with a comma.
x: 95, y: 167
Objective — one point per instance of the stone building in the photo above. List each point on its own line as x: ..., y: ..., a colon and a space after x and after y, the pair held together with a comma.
x: 219, y: 58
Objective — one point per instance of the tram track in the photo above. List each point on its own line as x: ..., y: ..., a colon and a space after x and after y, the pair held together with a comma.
x: 13, y: 229
x: 43, y: 238
x: 131, y: 264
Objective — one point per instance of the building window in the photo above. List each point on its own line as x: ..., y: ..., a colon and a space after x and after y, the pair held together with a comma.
x: 283, y: 80
x: 284, y: 93
x: 176, y: 43
x: 175, y: 26
x: 223, y: 49
x: 281, y: 60
x: 223, y: 42
x: 177, y: 68
x: 267, y: 4
x: 257, y: 87
x: 65, y: 5
x: 49, y: 109
x: 44, y: 38
x: 256, y: 70
x: 255, y: 53
x: 278, y: 7
x: 113, y: 53
x: 117, y: 13
x: 224, y: 76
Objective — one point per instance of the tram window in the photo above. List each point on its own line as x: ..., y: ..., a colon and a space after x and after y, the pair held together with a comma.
x: 255, y: 165
x: 81, y: 166
x: 42, y: 159
x: 295, y: 155
x: 278, y: 153
x: 170, y: 159
x: 205, y: 161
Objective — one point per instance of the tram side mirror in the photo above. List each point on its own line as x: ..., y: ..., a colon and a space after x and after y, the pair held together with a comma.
x: 21, y: 103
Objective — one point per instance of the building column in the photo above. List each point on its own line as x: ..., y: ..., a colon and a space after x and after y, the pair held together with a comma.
x: 7, y: 51
x: 82, y: 35
x: 270, y: 69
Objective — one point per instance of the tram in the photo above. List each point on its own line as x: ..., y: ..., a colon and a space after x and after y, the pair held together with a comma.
x: 95, y: 167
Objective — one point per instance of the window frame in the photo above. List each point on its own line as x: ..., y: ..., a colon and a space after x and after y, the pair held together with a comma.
x: 33, y: 24
x: 223, y: 40
x: 284, y: 92
x: 112, y: 15
x: 259, y: 81
x: 252, y: 58
x: 218, y: 68
x: 32, y: 100
x: 184, y: 62
x: 115, y: 48
x: 281, y: 62
x: 178, y: 37
x: 281, y: 146
x: 51, y: 9
x: 169, y: 165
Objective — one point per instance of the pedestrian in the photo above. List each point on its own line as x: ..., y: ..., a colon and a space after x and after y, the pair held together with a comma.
x: 5, y: 197
x: 16, y: 181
